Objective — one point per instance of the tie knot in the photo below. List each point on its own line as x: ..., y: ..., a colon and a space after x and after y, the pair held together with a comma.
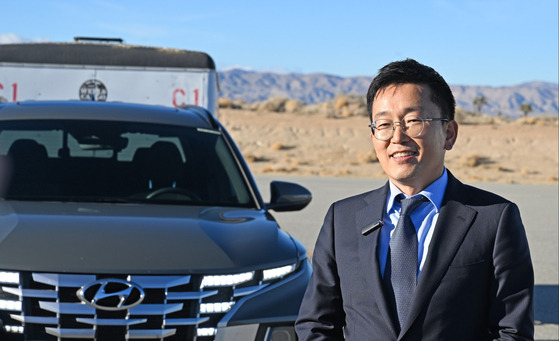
x: 410, y: 204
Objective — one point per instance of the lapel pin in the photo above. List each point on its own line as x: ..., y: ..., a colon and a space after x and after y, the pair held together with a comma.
x: 370, y: 228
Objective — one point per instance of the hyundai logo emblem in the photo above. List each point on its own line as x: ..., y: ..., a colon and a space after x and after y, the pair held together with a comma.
x: 111, y: 294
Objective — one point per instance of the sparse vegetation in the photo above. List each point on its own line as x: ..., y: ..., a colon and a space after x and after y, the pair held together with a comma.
x: 479, y: 102
x: 526, y: 108
x: 470, y: 160
x: 319, y: 140
x: 369, y: 157
x: 256, y: 158
x: 277, y: 146
x: 293, y: 105
x: 343, y: 106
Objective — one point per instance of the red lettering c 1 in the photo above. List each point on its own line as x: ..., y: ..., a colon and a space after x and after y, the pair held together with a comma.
x: 178, y: 91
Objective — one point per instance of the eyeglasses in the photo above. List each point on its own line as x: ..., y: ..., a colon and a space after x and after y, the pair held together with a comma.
x: 412, y: 126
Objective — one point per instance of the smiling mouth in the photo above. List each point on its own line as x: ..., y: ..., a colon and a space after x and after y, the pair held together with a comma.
x: 403, y: 154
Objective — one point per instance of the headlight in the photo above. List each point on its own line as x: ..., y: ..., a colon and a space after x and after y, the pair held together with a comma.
x: 271, y: 274
x: 9, y: 277
x: 227, y: 280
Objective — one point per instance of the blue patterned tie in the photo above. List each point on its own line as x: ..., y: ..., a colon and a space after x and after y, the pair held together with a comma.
x: 403, y: 257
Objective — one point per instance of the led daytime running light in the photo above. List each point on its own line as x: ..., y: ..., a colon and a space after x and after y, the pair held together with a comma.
x: 9, y: 277
x: 14, y: 329
x: 226, y: 280
x: 10, y: 305
x: 201, y: 332
x: 216, y: 307
x: 275, y: 273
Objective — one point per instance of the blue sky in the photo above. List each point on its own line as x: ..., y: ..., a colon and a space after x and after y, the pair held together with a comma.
x: 470, y: 42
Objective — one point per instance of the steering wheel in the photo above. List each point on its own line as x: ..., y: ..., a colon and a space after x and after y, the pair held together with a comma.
x: 174, y: 190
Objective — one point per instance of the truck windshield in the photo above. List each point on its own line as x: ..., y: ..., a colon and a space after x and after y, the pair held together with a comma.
x: 110, y: 161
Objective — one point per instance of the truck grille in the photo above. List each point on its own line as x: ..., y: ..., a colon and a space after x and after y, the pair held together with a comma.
x: 172, y: 308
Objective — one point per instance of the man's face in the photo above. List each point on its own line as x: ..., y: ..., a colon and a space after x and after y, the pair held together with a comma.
x: 412, y: 164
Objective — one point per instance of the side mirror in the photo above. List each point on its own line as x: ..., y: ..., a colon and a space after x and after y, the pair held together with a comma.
x: 287, y: 196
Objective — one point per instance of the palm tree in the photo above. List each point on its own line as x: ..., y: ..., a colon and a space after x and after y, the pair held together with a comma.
x: 526, y: 108
x: 479, y: 102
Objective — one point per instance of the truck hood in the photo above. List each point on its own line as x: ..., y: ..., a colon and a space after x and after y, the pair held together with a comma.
x: 138, y: 239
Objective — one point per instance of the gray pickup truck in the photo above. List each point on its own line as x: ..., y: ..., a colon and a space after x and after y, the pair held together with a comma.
x: 127, y: 221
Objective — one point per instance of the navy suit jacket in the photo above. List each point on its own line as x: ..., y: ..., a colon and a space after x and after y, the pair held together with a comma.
x: 476, y: 284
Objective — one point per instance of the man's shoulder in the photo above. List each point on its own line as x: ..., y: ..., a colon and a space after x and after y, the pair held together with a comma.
x: 365, y: 197
x: 471, y: 194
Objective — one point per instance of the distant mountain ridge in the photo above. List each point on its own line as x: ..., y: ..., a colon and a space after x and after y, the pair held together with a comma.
x: 251, y: 86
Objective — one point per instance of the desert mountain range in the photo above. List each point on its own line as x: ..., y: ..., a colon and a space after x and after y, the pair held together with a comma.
x: 250, y: 86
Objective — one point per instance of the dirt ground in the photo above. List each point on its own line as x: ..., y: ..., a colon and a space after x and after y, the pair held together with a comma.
x: 299, y: 144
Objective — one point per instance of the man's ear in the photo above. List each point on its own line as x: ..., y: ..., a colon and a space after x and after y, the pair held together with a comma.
x: 451, y: 134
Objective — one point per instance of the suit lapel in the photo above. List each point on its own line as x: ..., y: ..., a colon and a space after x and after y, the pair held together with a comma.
x: 453, y: 223
x: 372, y: 211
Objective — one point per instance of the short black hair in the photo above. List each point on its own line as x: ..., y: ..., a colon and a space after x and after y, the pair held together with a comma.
x: 410, y: 71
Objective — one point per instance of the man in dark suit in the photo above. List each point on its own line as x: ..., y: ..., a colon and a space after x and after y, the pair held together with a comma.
x: 471, y: 275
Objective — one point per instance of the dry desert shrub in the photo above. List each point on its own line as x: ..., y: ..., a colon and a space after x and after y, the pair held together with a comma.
x: 275, y: 104
x: 293, y: 105
x: 368, y: 157
x: 238, y: 104
x: 254, y: 106
x: 359, y: 110
x: 323, y: 109
x: 506, y: 170
x: 470, y: 160
x: 468, y: 117
x: 300, y: 162
x: 271, y: 169
x: 256, y: 158
x: 349, y: 105
x: 342, y: 172
x: 277, y: 146
x: 460, y: 115
x: 310, y: 109
x: 340, y: 102
x: 346, y: 112
x: 225, y: 103
x: 340, y: 106
x: 527, y: 120
x: 538, y: 120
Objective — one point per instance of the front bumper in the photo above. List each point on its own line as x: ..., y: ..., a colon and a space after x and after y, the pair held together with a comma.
x: 267, y: 315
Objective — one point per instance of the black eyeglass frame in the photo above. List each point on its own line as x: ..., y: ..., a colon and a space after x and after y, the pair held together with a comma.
x: 372, y: 126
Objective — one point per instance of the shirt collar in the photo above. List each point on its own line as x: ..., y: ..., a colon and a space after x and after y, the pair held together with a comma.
x: 434, y: 192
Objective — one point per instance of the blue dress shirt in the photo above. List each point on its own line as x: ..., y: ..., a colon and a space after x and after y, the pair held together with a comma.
x: 424, y: 219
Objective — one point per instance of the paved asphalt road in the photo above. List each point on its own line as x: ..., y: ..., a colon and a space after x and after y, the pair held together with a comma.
x: 538, y: 207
